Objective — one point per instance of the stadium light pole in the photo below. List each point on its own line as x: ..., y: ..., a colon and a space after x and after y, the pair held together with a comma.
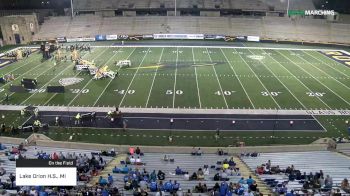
x: 287, y: 7
x: 71, y: 7
x: 175, y: 8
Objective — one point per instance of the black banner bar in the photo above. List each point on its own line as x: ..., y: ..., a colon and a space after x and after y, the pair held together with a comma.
x: 45, y: 163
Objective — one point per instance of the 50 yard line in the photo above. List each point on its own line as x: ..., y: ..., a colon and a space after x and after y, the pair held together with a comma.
x: 133, y: 77
x: 195, y: 72
x: 111, y: 80
x: 154, y: 77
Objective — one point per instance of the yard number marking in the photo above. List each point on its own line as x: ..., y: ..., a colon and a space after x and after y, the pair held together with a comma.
x: 170, y: 92
x: 315, y: 94
x: 77, y: 91
x: 122, y: 92
x: 274, y: 94
x: 227, y: 93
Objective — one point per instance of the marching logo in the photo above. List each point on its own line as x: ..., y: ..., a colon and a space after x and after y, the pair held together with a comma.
x: 70, y: 81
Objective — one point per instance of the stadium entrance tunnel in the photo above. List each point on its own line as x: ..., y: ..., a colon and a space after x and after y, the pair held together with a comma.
x: 191, y: 122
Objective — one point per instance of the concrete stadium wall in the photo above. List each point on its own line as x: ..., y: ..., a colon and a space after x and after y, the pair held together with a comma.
x: 27, y: 24
x: 44, y: 141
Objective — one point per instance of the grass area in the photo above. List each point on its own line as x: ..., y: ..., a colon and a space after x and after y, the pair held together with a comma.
x: 194, y: 77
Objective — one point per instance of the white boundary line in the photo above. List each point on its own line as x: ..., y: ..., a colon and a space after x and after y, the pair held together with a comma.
x: 195, y: 72
x: 219, y: 46
x: 185, y: 111
x: 231, y: 66
x: 110, y: 81
x: 298, y: 80
x: 217, y: 78
x: 336, y: 94
x: 258, y: 79
x: 154, y: 77
x: 126, y: 92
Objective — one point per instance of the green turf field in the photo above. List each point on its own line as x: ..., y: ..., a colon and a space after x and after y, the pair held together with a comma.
x: 185, y: 77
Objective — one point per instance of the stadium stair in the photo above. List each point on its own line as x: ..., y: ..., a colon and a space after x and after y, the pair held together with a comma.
x: 108, y: 169
x: 246, y: 172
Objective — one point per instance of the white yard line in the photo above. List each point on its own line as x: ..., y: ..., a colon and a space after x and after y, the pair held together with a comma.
x: 323, y: 71
x: 77, y: 95
x: 280, y: 82
x: 217, y: 78
x: 62, y: 72
x: 327, y: 64
x: 315, y: 79
x: 110, y: 81
x: 195, y: 72
x: 26, y: 63
x: 174, y: 91
x: 154, y: 77
x: 258, y: 79
x: 238, y: 78
x: 299, y: 80
x: 133, y: 77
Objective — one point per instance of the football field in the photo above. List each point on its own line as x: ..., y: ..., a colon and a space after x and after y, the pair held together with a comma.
x: 190, y: 77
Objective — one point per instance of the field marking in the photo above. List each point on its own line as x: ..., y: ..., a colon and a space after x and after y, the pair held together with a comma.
x: 231, y: 66
x: 110, y: 81
x: 154, y: 77
x: 298, y: 80
x: 217, y: 78
x: 220, y: 46
x: 64, y: 70
x: 195, y: 72
x: 258, y: 79
x: 280, y: 81
x: 77, y: 95
x: 177, y: 58
x: 133, y: 77
x: 316, y: 79
x: 324, y: 72
x: 326, y: 57
x: 25, y: 63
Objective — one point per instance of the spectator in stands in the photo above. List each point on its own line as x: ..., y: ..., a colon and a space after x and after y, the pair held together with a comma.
x: 132, y: 160
x: 2, y: 171
x: 153, y: 176
x: 160, y: 193
x: 166, y: 158
x: 12, y: 179
x: 138, y: 151
x: 291, y: 193
x: 199, y: 188
x: 231, y: 163
x: 2, y: 147
x: 220, y: 152
x: 127, y: 160
x: 131, y: 151
x: 345, y: 185
x: 161, y: 175
x: 110, y: 179
x: 217, y: 177
x: 200, y: 174
x: 153, y: 186
x: 259, y: 170
x: 188, y: 193
x: 250, y: 181
x: 206, y: 170
x: 125, y: 169
x: 328, y: 182
x: 225, y: 165
x: 199, y: 152
x: 223, y: 176
x: 241, y: 181
x: 337, y: 193
x: 193, y: 176
x: 143, y: 184
x: 178, y: 171
x: 176, y: 186
x: 138, y: 161
x: 223, y: 188
x: 194, y: 151
x: 168, y: 186
x: 253, y: 186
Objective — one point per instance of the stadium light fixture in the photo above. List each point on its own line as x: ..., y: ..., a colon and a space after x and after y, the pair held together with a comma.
x: 71, y: 7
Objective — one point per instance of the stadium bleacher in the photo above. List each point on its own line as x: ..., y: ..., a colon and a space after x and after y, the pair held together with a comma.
x: 313, y: 30
x: 331, y: 163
